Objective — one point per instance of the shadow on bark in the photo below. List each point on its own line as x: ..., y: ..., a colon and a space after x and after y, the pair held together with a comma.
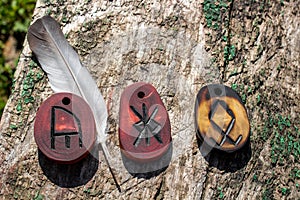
x: 70, y: 175
x: 149, y: 169
x: 229, y: 162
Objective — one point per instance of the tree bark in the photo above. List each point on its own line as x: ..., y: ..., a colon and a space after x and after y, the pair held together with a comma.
x: 253, y: 47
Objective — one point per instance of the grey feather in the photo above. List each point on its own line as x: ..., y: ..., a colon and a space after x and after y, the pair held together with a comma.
x: 64, y: 69
x: 66, y: 73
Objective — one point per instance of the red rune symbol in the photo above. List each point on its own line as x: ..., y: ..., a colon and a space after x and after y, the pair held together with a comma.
x: 64, y: 128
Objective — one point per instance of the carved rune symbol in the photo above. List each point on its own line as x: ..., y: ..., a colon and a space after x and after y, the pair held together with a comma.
x: 56, y: 133
x: 146, y: 126
x: 223, y: 120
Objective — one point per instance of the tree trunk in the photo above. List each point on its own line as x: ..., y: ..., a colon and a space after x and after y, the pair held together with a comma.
x: 178, y: 47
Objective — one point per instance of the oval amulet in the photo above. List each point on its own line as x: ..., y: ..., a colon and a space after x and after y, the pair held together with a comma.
x: 144, y: 129
x: 221, y: 118
x: 64, y: 128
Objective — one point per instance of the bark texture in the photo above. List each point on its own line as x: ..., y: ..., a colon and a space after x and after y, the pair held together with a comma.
x: 178, y: 46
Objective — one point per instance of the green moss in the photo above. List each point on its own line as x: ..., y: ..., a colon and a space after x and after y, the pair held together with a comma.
x: 234, y: 86
x: 212, y: 10
x: 220, y: 193
x: 258, y: 98
x: 38, y: 196
x: 19, y: 107
x: 240, y: 89
x: 267, y: 194
x: 285, y: 190
x: 33, y: 76
x: 255, y: 178
x: 295, y: 173
x: 244, y: 98
x: 229, y: 52
x: 285, y: 142
x: 29, y: 99
x: 13, y: 126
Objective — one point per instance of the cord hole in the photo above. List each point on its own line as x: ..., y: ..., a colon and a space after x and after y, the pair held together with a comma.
x: 141, y: 95
x: 218, y: 91
x: 66, y: 101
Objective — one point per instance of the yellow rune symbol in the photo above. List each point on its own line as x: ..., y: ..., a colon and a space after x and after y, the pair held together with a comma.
x: 222, y: 119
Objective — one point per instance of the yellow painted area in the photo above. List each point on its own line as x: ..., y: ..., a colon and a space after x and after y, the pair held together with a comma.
x: 241, y: 125
x: 221, y: 117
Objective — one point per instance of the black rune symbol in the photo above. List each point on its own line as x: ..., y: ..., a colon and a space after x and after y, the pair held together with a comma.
x: 223, y: 121
x: 66, y: 134
x: 146, y: 126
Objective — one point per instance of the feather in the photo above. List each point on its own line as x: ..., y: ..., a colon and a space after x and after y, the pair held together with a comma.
x: 66, y: 73
x: 64, y: 69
